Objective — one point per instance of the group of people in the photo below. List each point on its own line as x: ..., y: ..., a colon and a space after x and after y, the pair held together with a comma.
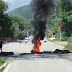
x: 1, y: 42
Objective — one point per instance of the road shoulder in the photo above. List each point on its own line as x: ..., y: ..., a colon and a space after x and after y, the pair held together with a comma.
x: 5, y: 67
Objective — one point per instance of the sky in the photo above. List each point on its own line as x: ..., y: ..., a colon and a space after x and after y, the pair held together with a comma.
x: 16, y: 3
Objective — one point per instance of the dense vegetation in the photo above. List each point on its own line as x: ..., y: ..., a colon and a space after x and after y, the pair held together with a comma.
x: 23, y: 24
x: 5, y: 21
x: 66, y: 14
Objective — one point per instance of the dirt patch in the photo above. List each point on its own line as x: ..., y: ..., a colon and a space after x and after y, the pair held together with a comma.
x: 61, y: 42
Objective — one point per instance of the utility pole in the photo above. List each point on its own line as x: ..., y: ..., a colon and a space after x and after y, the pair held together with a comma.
x: 59, y: 21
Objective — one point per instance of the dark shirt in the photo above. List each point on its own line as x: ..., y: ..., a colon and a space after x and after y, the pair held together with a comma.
x: 1, y: 42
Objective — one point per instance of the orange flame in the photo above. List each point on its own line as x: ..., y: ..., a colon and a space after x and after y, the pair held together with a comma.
x: 37, y: 44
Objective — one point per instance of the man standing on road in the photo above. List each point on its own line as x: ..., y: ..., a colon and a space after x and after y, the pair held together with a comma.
x: 1, y: 45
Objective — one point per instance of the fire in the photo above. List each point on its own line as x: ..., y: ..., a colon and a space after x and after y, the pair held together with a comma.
x: 36, y: 46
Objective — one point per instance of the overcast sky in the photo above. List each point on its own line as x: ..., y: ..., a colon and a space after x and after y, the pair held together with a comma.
x: 17, y: 3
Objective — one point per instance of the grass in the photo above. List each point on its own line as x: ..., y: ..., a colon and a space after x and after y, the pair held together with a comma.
x: 1, y: 61
x: 69, y: 46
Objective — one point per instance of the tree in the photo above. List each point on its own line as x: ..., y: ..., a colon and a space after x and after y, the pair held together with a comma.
x: 66, y: 13
x: 27, y: 26
x: 23, y: 24
x: 5, y: 21
x: 3, y: 6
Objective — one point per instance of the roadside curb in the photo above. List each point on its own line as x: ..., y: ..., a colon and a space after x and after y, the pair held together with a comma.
x: 3, y: 67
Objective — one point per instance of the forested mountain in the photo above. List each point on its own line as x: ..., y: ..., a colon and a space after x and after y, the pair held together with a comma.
x: 24, y: 11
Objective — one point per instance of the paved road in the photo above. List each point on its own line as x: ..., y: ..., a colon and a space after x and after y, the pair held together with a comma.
x: 22, y: 47
x: 39, y: 62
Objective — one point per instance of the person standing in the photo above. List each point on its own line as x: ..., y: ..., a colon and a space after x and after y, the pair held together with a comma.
x: 1, y: 45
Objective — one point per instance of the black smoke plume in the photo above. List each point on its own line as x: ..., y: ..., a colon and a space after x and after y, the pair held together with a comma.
x: 41, y: 9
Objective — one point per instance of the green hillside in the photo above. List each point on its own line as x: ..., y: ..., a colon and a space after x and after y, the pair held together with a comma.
x: 24, y: 11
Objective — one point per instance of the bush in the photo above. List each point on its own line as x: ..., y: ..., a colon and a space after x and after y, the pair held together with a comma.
x: 69, y: 40
x: 64, y: 39
x: 69, y: 46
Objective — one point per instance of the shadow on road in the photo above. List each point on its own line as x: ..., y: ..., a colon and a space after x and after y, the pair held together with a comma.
x: 37, y: 56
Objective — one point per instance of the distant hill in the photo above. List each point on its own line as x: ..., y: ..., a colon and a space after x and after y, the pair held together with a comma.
x: 24, y: 11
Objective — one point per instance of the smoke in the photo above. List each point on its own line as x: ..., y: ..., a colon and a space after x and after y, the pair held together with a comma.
x: 41, y: 9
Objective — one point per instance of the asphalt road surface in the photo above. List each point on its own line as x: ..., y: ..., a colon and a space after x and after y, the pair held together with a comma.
x: 37, y: 62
